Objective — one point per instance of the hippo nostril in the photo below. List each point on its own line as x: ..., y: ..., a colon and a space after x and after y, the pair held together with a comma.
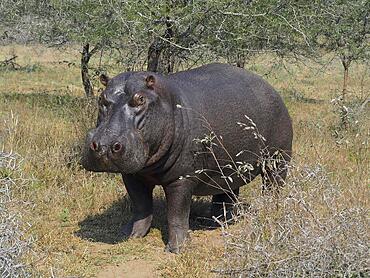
x: 116, y: 147
x: 94, y: 146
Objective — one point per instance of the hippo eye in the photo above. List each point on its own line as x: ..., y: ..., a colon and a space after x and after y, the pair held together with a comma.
x: 138, y: 100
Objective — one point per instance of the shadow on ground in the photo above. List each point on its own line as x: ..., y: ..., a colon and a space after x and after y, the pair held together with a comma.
x: 106, y: 227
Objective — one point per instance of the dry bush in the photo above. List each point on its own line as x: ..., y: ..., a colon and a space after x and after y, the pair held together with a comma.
x: 307, y: 230
x: 13, y: 244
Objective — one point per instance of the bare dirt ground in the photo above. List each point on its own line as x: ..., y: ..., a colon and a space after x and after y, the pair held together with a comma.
x: 131, y: 269
x: 151, y: 264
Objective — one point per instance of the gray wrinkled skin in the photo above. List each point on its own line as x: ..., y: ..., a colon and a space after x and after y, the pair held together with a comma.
x: 146, y: 128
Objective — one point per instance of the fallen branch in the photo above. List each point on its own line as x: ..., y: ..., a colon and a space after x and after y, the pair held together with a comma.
x: 10, y: 63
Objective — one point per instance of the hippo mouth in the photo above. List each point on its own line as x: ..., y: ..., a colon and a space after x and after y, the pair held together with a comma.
x: 96, y: 163
x: 110, y: 165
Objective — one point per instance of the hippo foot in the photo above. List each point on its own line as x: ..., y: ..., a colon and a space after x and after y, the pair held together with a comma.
x: 176, y: 246
x: 138, y: 228
x: 171, y: 249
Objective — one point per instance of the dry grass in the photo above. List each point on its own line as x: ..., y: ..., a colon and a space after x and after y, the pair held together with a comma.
x: 76, y: 215
x: 51, y: 75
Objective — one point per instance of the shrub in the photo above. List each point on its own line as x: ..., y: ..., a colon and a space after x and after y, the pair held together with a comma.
x: 305, y: 231
x: 350, y: 114
x: 13, y: 245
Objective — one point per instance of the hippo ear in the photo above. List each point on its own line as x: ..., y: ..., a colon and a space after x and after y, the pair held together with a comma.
x: 150, y: 81
x: 104, y: 79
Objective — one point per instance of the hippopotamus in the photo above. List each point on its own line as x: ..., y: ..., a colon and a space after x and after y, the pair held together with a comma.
x: 204, y: 131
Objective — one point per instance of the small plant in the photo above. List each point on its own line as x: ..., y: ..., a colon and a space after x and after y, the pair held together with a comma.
x: 351, y: 116
x: 231, y: 168
x: 31, y: 68
x: 64, y: 215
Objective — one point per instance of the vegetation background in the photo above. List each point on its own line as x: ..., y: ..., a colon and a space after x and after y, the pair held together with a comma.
x: 58, y: 220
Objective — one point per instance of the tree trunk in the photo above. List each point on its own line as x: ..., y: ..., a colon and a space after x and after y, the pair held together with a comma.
x: 160, y: 55
x: 240, y: 61
x: 346, y: 63
x: 154, y: 53
x: 345, y: 82
x: 85, y: 58
x: 169, y: 58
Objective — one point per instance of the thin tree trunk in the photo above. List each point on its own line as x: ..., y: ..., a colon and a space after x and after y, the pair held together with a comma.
x: 169, y: 59
x: 160, y: 55
x: 85, y: 58
x: 240, y: 62
x: 154, y: 53
x: 345, y: 82
x: 346, y: 63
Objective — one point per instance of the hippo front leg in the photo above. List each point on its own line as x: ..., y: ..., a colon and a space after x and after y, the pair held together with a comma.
x: 141, y: 196
x: 178, y: 196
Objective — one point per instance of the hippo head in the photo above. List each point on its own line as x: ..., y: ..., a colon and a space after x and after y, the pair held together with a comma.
x: 134, y: 127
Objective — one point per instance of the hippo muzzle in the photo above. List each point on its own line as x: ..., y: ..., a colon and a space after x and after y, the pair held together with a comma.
x: 105, y: 151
